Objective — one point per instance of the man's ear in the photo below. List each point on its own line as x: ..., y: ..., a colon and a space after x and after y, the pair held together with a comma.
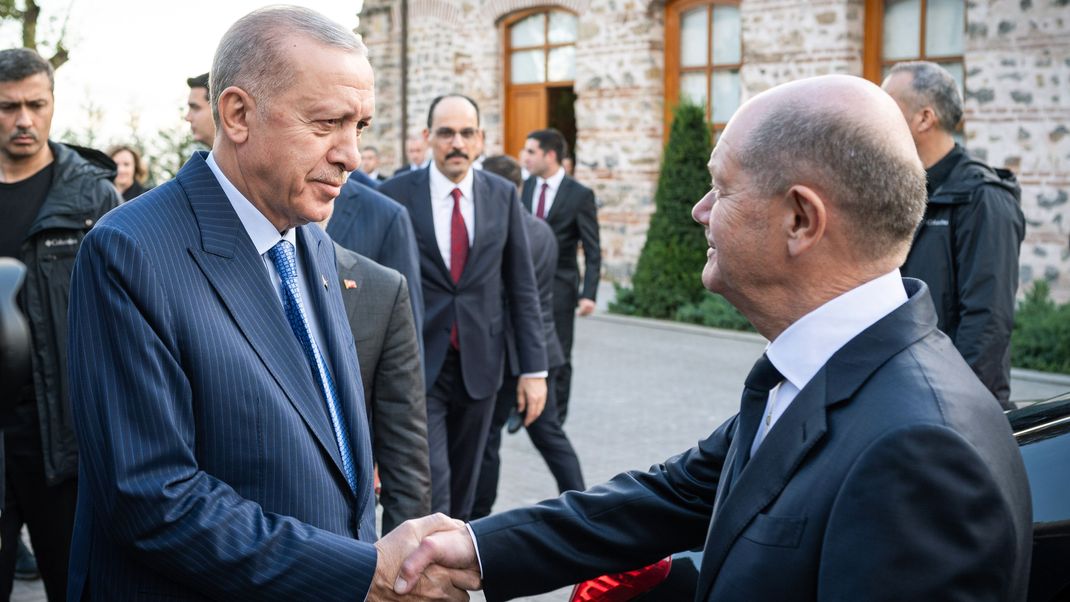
x: 926, y: 120
x: 805, y: 219
x: 236, y: 108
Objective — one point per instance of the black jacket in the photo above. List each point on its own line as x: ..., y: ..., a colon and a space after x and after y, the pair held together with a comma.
x: 81, y: 192
x: 966, y: 250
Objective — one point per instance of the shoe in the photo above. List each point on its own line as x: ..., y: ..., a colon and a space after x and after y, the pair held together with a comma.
x: 25, y: 564
x: 515, y: 421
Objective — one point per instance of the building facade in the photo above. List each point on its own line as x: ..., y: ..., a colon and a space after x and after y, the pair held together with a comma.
x: 607, y: 73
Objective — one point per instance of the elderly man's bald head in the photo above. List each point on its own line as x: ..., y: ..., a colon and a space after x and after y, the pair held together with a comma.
x: 846, y: 137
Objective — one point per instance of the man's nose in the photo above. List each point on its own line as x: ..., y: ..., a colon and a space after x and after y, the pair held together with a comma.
x: 701, y: 211
x: 346, y: 151
x: 24, y: 118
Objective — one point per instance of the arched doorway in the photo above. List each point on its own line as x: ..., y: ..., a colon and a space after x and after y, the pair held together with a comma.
x: 539, y: 59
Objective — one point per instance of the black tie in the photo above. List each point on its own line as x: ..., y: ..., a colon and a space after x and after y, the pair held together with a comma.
x: 762, y: 378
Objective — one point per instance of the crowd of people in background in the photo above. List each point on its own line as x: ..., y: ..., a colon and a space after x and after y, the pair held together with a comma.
x: 459, y: 278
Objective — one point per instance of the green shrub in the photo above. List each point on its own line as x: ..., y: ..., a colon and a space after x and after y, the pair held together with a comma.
x: 669, y: 271
x: 1041, y: 337
x: 713, y: 311
x: 623, y: 301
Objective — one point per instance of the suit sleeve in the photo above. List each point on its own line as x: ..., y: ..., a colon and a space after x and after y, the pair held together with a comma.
x: 523, y: 293
x: 587, y: 221
x: 633, y: 520
x: 132, y: 406
x: 400, y: 421
x: 399, y: 251
x: 988, y: 238
x: 919, y: 517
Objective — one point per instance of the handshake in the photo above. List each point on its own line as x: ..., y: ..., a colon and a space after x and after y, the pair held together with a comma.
x: 429, y: 558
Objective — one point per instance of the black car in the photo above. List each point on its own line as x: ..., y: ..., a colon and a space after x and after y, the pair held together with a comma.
x: 1042, y: 429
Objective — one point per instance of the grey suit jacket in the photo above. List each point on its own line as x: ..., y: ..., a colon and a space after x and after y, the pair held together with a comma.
x: 377, y: 304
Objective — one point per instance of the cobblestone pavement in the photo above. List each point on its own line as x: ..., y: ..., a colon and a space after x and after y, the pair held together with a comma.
x: 642, y: 391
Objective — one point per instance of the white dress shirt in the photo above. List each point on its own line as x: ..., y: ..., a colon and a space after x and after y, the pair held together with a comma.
x: 808, y: 344
x: 553, y: 185
x: 264, y: 236
x: 442, y: 209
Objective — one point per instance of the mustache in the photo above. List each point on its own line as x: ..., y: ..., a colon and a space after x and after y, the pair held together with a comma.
x: 23, y: 132
x: 333, y: 177
x: 457, y: 154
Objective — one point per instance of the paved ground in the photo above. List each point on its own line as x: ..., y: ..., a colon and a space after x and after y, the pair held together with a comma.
x: 643, y: 391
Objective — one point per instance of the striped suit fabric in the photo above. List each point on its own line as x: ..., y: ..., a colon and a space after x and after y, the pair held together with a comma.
x: 209, y: 468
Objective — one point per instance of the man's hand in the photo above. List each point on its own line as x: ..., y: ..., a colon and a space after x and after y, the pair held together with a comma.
x: 450, y: 548
x: 530, y: 397
x: 586, y: 307
x: 436, y: 583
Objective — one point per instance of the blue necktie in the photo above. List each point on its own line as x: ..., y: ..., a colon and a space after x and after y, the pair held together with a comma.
x: 282, y: 254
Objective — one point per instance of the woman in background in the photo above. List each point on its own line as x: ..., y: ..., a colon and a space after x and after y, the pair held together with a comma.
x: 131, y: 171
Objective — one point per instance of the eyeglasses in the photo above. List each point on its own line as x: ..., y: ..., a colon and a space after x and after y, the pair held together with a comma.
x: 447, y: 134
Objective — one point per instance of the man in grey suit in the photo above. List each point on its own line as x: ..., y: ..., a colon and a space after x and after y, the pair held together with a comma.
x: 377, y: 304
x: 867, y: 461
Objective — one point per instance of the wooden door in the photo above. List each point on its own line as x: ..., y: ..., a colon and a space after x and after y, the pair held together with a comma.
x: 525, y: 113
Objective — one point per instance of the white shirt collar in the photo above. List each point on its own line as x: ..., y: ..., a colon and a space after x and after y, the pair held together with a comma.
x: 260, y: 230
x: 553, y: 181
x: 801, y: 350
x: 442, y: 187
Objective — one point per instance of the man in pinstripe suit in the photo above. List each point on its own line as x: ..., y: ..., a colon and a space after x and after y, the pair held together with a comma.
x: 215, y: 389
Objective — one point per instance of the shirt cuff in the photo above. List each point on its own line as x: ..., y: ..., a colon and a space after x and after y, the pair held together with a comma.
x: 475, y: 544
x: 540, y: 374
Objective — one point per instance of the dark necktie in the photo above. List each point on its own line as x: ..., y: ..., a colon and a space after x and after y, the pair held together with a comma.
x: 282, y: 254
x: 458, y: 253
x: 762, y: 378
x: 540, y: 211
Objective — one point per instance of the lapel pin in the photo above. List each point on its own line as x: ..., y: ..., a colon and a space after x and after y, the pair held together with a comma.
x: 324, y: 281
x: 349, y: 283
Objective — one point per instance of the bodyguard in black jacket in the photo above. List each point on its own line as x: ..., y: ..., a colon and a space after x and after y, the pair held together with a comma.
x: 50, y: 196
x: 966, y: 248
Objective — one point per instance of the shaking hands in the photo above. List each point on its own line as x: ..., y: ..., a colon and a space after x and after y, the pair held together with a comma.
x: 430, y: 558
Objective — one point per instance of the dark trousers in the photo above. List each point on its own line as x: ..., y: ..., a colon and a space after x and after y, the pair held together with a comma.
x: 48, y: 512
x: 545, y: 433
x: 564, y: 323
x: 456, y: 435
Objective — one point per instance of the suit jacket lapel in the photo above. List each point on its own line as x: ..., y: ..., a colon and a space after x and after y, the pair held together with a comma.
x: 764, y: 476
x: 484, y: 216
x: 237, y: 272
x: 561, y: 200
x: 327, y: 303
x: 423, y: 222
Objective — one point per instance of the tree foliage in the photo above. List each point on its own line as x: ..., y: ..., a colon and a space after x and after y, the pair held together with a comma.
x: 27, y: 14
x: 669, y: 272
x: 1041, y: 337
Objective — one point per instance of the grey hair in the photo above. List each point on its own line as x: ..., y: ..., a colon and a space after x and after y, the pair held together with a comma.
x: 932, y: 86
x: 881, y: 192
x: 250, y: 55
x: 17, y: 64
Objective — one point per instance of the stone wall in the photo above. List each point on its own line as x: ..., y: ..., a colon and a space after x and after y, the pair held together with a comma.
x: 1018, y: 116
x: 1017, y: 106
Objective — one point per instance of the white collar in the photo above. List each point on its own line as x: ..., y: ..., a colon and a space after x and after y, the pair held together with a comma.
x: 441, y: 186
x: 553, y: 181
x: 260, y: 230
x: 801, y: 350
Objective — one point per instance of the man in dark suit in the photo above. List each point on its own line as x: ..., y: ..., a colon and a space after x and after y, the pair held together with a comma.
x: 474, y: 256
x: 867, y: 462
x: 215, y: 393
x: 377, y: 227
x: 377, y: 303
x: 415, y: 154
x: 545, y: 432
x: 569, y: 207
x: 369, y: 163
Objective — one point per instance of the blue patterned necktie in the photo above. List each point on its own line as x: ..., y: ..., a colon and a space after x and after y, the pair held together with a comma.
x: 282, y: 254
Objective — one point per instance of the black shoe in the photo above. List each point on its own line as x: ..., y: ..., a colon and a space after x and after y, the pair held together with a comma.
x: 25, y: 564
